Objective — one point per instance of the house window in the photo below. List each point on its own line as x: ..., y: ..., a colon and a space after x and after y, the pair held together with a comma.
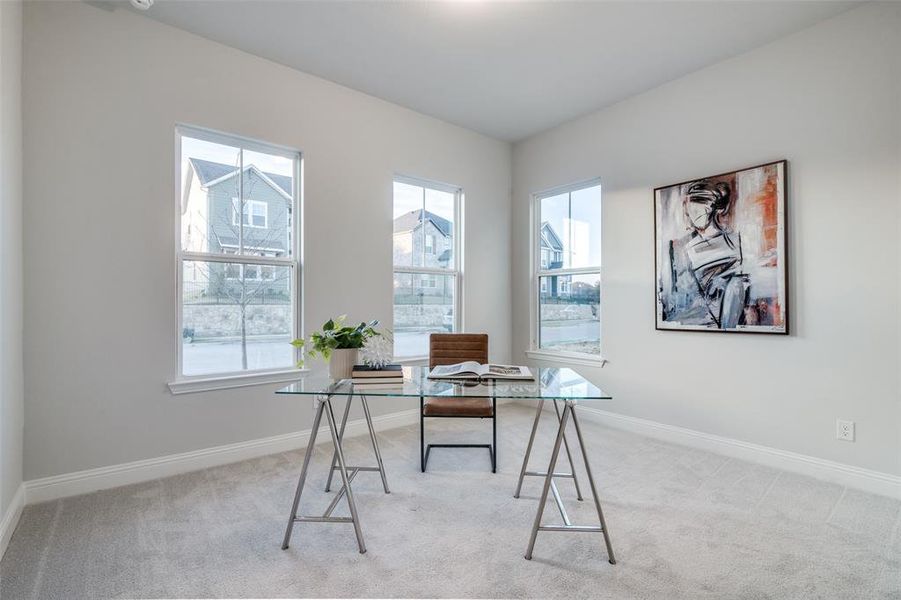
x: 255, y: 213
x: 238, y: 297
x: 567, y: 277
x: 427, y: 273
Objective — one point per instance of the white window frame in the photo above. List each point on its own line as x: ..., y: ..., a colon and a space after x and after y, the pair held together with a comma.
x: 535, y: 351
x: 248, y: 205
x: 456, y: 271
x: 183, y: 384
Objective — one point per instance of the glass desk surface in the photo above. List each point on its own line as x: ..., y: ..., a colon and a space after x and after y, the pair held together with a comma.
x: 549, y: 384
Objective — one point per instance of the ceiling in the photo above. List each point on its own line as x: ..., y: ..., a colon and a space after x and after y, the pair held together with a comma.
x: 505, y: 69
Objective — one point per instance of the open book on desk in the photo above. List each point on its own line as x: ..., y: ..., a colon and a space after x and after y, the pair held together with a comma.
x: 473, y: 371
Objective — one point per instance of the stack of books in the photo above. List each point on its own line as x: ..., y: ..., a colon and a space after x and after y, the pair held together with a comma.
x: 370, y: 378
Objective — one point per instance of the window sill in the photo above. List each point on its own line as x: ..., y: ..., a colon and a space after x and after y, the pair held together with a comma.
x: 206, y: 384
x: 412, y: 360
x: 581, y: 360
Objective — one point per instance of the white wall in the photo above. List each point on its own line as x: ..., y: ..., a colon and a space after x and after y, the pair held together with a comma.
x: 103, y: 90
x: 827, y: 99
x: 11, y: 396
x: 102, y: 93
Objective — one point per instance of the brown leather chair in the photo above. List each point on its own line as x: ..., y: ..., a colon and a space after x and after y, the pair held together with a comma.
x: 447, y: 349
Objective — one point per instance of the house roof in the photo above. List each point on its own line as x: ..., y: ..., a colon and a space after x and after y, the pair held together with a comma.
x: 208, y: 171
x: 549, y: 237
x: 412, y: 220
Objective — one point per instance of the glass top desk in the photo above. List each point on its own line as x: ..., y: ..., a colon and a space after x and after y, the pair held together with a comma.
x: 550, y: 385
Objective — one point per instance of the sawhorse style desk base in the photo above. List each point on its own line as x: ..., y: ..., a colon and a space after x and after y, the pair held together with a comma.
x: 569, y: 410
x: 550, y: 384
x: 324, y: 405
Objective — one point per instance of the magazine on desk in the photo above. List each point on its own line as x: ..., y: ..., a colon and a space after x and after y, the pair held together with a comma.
x: 471, y: 370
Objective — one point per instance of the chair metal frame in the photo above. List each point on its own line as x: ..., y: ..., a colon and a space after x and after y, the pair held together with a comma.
x: 424, y: 450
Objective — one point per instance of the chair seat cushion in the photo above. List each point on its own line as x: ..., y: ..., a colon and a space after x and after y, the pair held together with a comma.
x: 457, y: 407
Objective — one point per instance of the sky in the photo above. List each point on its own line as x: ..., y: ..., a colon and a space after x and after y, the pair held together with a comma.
x: 413, y: 197
x: 211, y: 151
x: 576, y: 219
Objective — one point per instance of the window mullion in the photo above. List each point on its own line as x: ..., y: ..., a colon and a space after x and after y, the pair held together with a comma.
x: 569, y: 228
x: 214, y: 276
x: 243, y: 205
x: 561, y: 317
x: 424, y: 271
x: 238, y: 259
x: 422, y: 220
x: 573, y: 271
x: 427, y: 285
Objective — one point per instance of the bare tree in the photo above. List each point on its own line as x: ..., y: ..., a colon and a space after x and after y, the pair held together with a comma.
x: 232, y: 280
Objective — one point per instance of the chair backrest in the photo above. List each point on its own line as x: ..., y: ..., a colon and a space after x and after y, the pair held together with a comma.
x: 450, y: 348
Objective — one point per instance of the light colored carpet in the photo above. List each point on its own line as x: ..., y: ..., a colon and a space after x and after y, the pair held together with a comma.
x: 685, y: 524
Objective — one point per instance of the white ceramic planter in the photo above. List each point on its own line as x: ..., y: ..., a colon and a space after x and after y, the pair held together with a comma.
x: 341, y: 364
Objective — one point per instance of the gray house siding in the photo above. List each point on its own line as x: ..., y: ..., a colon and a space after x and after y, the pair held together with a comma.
x: 422, y: 239
x: 223, y: 230
x: 267, y: 284
x: 551, y: 257
x: 438, y: 256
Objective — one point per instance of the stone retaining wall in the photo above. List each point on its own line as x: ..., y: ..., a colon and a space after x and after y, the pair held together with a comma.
x: 217, y: 320
x: 415, y: 316
x: 566, y: 312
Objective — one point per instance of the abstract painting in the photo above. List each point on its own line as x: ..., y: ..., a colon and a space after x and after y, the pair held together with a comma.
x: 721, y: 254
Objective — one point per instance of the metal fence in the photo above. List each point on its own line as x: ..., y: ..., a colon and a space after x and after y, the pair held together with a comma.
x: 256, y: 293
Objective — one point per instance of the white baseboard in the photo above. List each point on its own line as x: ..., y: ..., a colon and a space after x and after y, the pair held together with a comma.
x: 11, y: 518
x: 867, y: 480
x: 91, y: 480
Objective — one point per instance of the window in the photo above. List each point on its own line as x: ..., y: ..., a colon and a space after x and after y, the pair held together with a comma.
x: 427, y: 275
x: 255, y: 213
x: 237, y: 281
x: 567, y: 278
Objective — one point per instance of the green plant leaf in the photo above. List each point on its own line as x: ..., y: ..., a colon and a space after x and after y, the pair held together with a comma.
x: 335, y: 335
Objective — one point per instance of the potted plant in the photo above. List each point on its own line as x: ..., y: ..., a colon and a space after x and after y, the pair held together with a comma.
x: 339, y: 344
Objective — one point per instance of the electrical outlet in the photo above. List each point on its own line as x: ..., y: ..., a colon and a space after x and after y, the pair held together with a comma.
x: 844, y: 430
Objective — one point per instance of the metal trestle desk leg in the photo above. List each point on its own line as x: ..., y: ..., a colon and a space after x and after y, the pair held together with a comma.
x: 524, y: 472
x: 375, y: 445
x: 569, y: 410
x: 324, y: 404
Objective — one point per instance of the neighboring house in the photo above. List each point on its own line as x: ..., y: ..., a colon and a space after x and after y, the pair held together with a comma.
x: 432, y: 250
x: 551, y: 248
x: 561, y: 288
x: 551, y: 257
x: 582, y: 292
x: 213, y: 221
x: 423, y: 239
